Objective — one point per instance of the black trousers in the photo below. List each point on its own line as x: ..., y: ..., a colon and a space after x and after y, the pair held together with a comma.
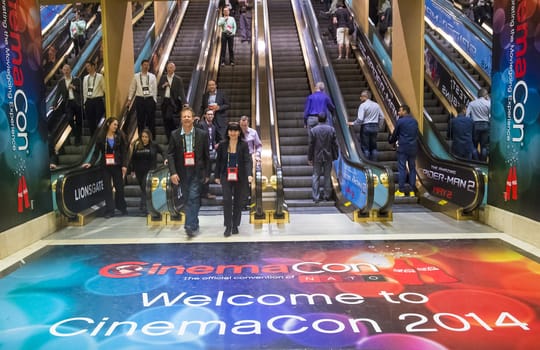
x: 146, y: 114
x: 170, y: 115
x: 112, y: 176
x: 227, y: 41
x: 74, y: 115
x: 233, y: 200
x: 94, y: 110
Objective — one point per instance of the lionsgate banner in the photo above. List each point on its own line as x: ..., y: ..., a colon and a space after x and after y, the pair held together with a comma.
x: 24, y: 158
x: 341, y: 295
x: 515, y: 127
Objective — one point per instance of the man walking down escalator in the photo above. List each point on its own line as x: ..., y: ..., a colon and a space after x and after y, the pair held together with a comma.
x: 69, y: 90
x: 144, y: 89
x: 171, y: 88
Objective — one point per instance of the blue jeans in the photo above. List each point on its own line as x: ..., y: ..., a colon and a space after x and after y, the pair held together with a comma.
x: 405, y: 159
x: 481, y: 138
x: 191, y: 191
x: 368, y: 140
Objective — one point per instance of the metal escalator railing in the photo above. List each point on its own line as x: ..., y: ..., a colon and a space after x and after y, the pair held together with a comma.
x: 379, y: 196
x: 265, y: 113
x: 467, y: 37
x: 50, y: 17
x: 64, y: 46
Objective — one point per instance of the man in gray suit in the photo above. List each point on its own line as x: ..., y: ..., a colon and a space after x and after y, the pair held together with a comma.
x: 322, y: 150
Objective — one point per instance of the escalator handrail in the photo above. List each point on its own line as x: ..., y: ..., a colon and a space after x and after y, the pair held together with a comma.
x: 469, y: 84
x: 319, y: 62
x: 53, y: 24
x: 280, y: 205
x: 465, y: 21
x: 206, y: 63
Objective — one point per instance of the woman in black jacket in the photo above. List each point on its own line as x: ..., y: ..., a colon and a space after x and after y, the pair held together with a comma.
x: 233, y: 171
x: 143, y: 159
x: 111, y: 147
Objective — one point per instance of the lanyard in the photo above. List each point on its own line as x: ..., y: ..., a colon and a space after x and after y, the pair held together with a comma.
x: 192, y: 141
x: 147, y: 80
x: 229, y: 158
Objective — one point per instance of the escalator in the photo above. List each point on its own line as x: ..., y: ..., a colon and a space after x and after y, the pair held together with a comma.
x: 292, y: 86
x: 140, y: 29
x: 64, y: 46
x: 352, y: 82
x: 68, y: 152
x: 185, y: 54
x: 235, y: 81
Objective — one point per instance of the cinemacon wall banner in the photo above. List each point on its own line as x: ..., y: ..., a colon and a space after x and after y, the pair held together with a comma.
x: 515, y: 127
x: 24, y: 170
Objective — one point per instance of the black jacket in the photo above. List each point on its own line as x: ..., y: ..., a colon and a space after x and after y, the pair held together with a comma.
x: 63, y: 92
x: 178, y: 96
x: 175, y: 154
x: 245, y: 163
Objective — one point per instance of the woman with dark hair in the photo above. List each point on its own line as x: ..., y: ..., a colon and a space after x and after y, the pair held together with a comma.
x: 233, y: 171
x: 144, y: 159
x: 111, y: 147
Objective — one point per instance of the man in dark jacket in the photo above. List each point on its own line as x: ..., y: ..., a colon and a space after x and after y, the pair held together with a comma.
x: 321, y: 152
x: 405, y: 133
x: 217, y: 101
x: 461, y: 133
x: 207, y: 124
x: 171, y: 89
x: 189, y: 165
x: 69, y: 90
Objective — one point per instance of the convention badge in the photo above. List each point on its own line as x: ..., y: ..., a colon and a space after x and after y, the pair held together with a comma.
x: 145, y: 90
x: 109, y: 159
x: 189, y: 158
x: 90, y: 91
x: 232, y: 174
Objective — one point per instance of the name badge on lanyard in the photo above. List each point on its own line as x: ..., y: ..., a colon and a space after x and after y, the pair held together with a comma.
x: 189, y: 158
x: 145, y: 90
x: 109, y: 159
x: 232, y: 174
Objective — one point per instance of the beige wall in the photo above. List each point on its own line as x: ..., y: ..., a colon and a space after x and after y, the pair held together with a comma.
x: 23, y: 235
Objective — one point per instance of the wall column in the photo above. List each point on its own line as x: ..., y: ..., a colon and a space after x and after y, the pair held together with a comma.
x: 360, y: 8
x: 408, y: 53
x: 161, y: 9
x: 118, y: 53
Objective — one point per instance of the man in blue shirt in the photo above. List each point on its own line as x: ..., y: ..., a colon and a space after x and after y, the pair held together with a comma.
x: 461, y: 134
x: 405, y: 133
x: 317, y: 103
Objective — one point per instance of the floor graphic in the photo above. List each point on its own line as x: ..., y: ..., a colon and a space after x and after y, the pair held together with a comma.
x: 406, y: 295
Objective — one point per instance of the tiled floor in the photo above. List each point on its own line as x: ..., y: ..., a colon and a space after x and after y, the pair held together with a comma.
x: 412, y: 222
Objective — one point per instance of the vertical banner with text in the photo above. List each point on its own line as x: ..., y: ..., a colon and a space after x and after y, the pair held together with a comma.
x: 24, y: 159
x: 515, y: 126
